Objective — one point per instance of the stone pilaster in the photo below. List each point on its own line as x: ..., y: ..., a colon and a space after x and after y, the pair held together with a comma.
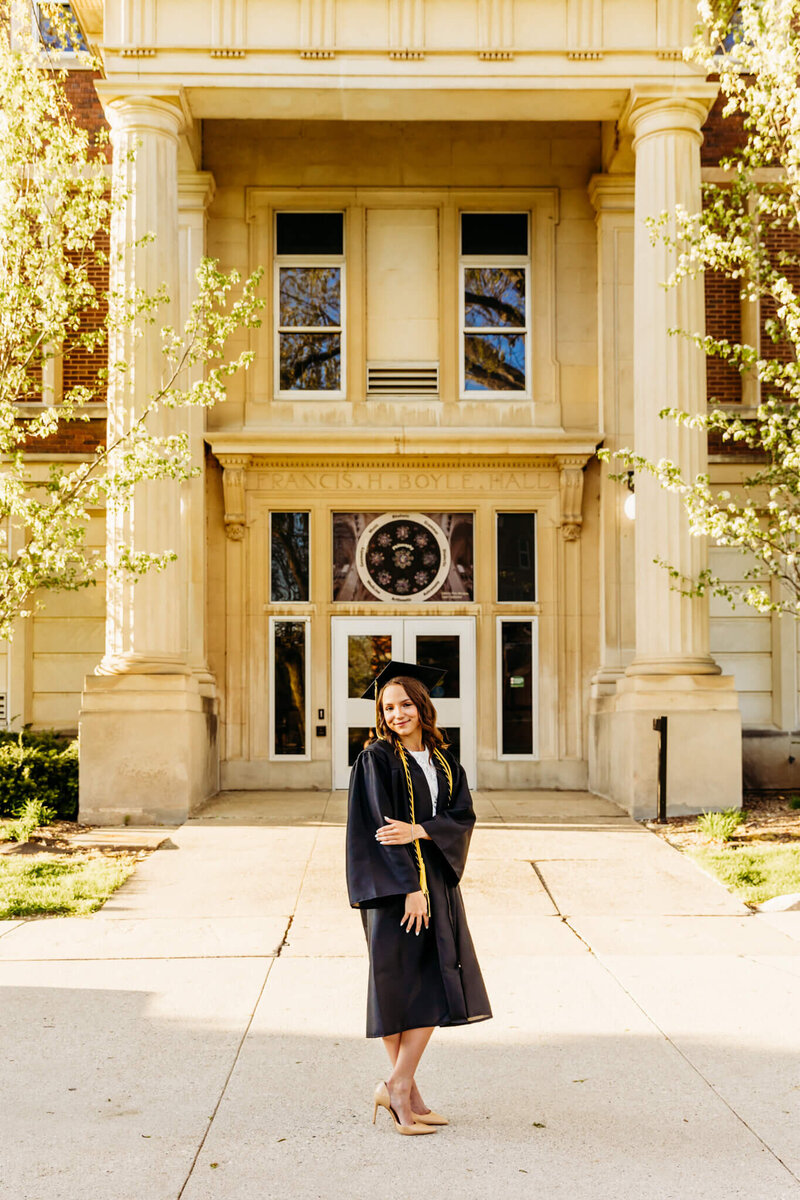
x: 148, y: 731
x: 613, y: 200
x: 195, y: 192
x: 672, y: 672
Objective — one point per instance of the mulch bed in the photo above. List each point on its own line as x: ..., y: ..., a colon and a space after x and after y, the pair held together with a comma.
x: 769, y: 819
x: 55, y: 839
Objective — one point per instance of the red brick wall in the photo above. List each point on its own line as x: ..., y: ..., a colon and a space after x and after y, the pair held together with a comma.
x: 723, y: 320
x: 80, y: 366
x: 777, y: 240
x: 82, y: 95
x: 79, y: 437
x: 721, y: 135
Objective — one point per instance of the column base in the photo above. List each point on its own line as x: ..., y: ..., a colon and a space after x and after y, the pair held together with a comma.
x: 148, y: 749
x: 704, y: 744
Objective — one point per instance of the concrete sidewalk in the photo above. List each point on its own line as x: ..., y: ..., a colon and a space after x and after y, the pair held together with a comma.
x: 201, y: 1038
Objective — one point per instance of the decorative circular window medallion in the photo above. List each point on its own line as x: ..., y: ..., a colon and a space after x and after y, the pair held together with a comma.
x: 403, y: 556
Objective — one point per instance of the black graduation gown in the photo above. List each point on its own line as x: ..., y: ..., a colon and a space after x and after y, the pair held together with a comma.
x: 414, y: 980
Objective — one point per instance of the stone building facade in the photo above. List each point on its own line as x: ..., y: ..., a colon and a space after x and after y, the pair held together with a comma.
x: 463, y: 303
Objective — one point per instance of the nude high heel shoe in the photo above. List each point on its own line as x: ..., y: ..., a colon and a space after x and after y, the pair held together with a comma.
x: 431, y: 1118
x: 382, y: 1100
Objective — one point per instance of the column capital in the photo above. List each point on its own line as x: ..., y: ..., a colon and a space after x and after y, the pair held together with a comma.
x: 612, y: 193
x: 156, y: 110
x: 647, y: 112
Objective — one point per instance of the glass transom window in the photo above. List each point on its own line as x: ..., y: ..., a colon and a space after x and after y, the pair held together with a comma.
x: 495, y: 291
x: 309, y: 278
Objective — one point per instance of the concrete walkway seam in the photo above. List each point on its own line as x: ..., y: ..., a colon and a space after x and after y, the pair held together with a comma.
x: 243, y: 1038
x: 678, y: 1050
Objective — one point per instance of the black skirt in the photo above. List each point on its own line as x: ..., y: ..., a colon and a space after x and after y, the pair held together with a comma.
x: 430, y: 978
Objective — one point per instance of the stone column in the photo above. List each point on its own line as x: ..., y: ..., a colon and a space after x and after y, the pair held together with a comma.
x: 672, y: 672
x: 148, y: 734
x: 672, y: 630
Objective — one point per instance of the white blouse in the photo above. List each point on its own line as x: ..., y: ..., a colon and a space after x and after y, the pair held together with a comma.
x: 423, y: 759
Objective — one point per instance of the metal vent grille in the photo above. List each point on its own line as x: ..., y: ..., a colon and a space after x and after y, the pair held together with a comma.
x: 402, y: 379
x: 3, y: 709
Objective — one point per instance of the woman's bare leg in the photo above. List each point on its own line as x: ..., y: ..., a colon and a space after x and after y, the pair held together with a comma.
x: 412, y: 1046
x: 392, y: 1044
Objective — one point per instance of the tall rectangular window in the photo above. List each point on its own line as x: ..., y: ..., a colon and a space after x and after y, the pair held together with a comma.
x: 289, y: 692
x: 495, y: 303
x: 309, y: 302
x: 516, y: 676
x: 289, y: 557
x: 516, y: 557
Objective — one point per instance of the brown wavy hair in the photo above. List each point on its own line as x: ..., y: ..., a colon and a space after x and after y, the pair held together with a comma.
x: 432, y: 737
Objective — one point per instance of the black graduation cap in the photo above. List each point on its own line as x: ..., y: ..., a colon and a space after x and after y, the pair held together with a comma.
x: 429, y: 676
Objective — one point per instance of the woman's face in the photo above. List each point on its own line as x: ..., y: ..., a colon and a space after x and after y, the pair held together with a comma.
x: 399, y: 710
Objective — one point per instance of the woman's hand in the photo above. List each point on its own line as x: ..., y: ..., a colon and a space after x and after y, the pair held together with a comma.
x: 399, y: 833
x: 416, y: 913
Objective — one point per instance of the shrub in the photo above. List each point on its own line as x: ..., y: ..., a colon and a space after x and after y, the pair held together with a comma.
x: 794, y: 801
x: 721, y: 825
x: 38, y: 768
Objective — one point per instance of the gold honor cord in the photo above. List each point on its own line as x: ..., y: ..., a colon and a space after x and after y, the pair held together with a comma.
x: 423, y: 878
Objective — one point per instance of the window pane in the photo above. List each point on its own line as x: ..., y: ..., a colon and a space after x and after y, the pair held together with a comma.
x: 494, y: 361
x: 516, y: 560
x: 367, y: 655
x: 441, y: 650
x: 310, y: 233
x: 289, y: 557
x: 516, y: 686
x: 310, y: 296
x: 494, y: 233
x: 494, y: 296
x: 289, y: 667
x: 59, y: 32
x: 310, y: 361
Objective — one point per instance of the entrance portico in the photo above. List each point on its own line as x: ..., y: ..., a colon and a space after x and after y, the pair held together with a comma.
x: 436, y: 363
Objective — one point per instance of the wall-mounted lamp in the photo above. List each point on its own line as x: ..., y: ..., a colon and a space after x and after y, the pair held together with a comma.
x: 629, y: 507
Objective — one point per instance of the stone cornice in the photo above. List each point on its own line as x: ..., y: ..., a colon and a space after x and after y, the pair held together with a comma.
x: 401, y: 444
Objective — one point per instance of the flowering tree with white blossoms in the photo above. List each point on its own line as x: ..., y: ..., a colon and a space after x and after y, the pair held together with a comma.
x: 749, y: 231
x: 56, y: 209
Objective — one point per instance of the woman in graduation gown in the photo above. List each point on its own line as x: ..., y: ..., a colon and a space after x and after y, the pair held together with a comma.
x: 410, y: 819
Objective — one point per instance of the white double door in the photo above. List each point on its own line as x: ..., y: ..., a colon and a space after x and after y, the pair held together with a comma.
x: 361, y: 647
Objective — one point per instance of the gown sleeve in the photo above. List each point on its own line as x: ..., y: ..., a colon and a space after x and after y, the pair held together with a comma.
x: 373, y: 871
x: 451, y: 829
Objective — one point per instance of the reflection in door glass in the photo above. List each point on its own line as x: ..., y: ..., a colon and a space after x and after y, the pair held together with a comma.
x: 367, y: 655
x: 517, y: 687
x: 357, y: 738
x: 452, y: 736
x: 289, y: 666
x: 441, y: 650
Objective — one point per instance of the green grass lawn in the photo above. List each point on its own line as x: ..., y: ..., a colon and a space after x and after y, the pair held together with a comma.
x: 65, y: 885
x: 755, y: 872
